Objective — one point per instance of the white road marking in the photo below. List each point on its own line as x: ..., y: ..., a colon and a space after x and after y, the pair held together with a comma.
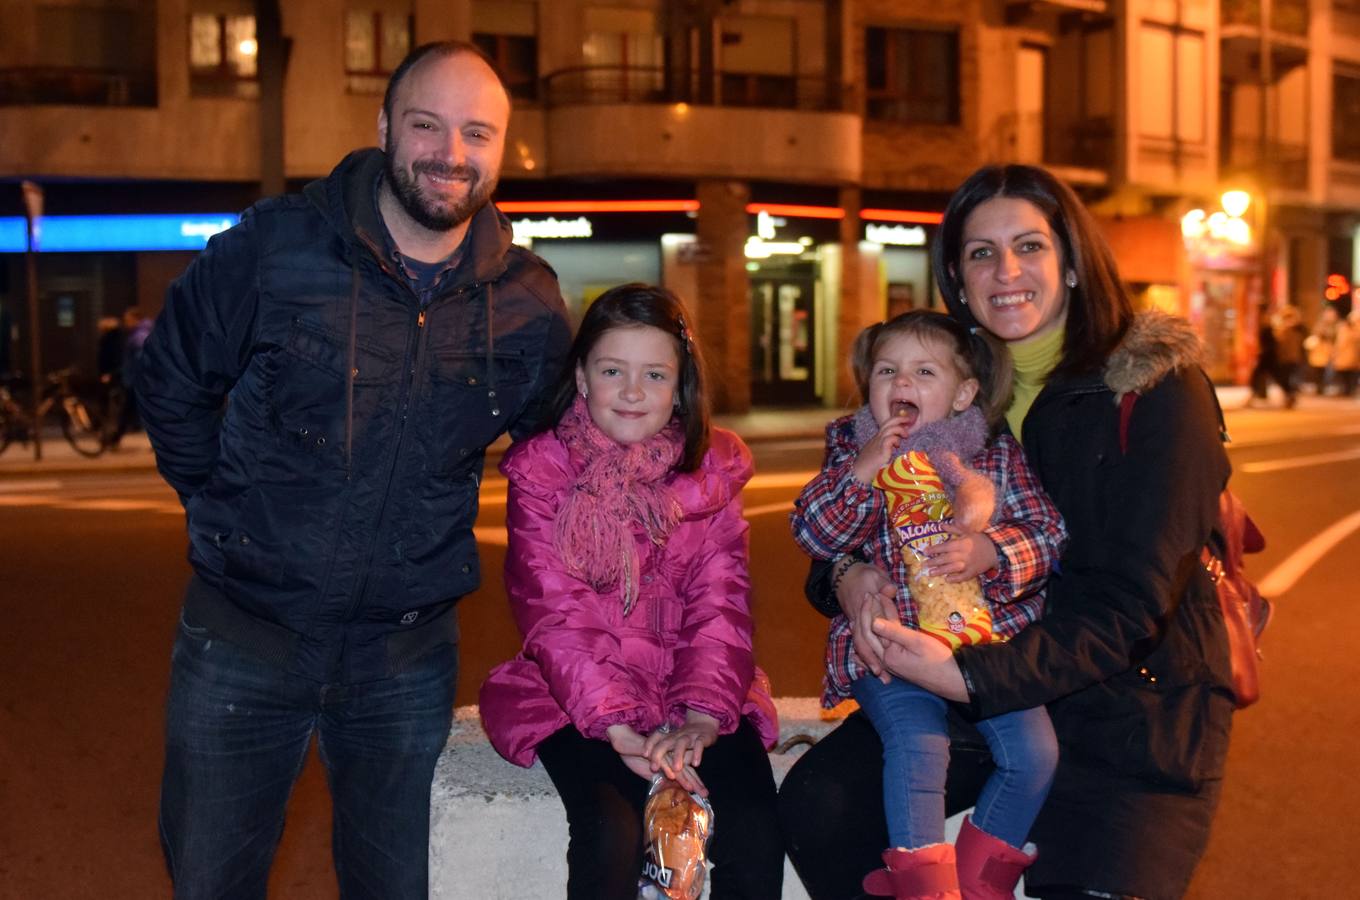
x: 19, y: 487
x: 781, y: 480
x: 752, y: 511
x: 28, y: 500
x: 1298, y: 462
x: 1284, y: 575
x: 117, y: 505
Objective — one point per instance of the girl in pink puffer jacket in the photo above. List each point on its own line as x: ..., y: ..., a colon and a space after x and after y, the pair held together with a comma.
x: 627, y: 575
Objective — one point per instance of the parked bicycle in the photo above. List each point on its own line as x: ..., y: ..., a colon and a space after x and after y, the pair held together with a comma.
x: 79, y: 425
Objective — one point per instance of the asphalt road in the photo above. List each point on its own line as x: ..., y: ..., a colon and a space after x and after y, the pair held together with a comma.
x: 91, y: 569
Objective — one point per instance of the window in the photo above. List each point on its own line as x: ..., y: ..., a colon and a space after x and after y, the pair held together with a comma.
x: 1172, y: 107
x: 222, y: 53
x: 911, y: 75
x: 506, y: 31
x: 88, y: 56
x: 757, y: 61
x: 623, y: 54
x: 1345, y: 115
x: 622, y: 37
x: 375, y: 44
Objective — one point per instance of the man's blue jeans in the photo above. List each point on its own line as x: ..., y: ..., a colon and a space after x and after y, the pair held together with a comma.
x: 911, y: 723
x: 237, y: 733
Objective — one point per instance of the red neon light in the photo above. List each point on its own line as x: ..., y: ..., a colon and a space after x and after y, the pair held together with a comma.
x: 796, y: 211
x: 911, y: 216
x: 596, y: 206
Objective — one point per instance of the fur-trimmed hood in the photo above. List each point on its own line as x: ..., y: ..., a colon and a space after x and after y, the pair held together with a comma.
x: 1156, y: 344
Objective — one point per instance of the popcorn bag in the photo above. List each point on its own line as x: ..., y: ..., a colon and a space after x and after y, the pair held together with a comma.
x: 676, y: 827
x: 918, y: 510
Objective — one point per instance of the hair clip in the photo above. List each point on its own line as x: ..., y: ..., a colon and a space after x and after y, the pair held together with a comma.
x: 684, y: 335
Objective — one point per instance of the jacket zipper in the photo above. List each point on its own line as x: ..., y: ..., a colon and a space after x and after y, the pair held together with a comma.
x: 419, y: 334
x: 403, y: 404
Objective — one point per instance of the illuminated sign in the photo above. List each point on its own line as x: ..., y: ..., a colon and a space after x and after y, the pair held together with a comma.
x: 897, y: 235
x: 528, y: 229
x: 84, y: 234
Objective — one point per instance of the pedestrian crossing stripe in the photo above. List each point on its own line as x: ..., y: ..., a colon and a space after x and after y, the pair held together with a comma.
x: 104, y: 505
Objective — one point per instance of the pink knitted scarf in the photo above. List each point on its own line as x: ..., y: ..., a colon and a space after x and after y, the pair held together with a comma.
x: 619, y: 487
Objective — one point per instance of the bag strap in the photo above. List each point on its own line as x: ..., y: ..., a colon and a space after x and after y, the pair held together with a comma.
x: 1125, y: 414
x: 1127, y: 401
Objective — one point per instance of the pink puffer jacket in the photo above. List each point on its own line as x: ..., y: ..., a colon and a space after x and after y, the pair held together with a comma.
x: 686, y: 643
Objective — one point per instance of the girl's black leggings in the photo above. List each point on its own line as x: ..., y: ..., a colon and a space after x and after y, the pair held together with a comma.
x: 604, y: 802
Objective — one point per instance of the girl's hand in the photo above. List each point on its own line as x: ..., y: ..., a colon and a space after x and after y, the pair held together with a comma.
x: 672, y: 751
x: 922, y: 660
x: 876, y: 454
x: 967, y: 554
x: 625, y: 741
x: 628, y: 744
x: 640, y: 766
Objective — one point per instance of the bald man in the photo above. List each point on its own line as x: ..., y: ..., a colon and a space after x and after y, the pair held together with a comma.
x: 320, y: 390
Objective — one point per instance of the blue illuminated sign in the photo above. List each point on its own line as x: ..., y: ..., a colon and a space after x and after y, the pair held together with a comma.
x: 81, y: 234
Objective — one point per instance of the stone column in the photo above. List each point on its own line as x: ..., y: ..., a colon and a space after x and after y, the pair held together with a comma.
x: 724, y: 312
x: 855, y: 309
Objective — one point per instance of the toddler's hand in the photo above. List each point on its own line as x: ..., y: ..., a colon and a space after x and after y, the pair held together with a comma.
x: 879, y: 450
x: 967, y: 554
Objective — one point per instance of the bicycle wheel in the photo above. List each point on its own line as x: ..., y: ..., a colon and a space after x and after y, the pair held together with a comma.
x: 81, y: 429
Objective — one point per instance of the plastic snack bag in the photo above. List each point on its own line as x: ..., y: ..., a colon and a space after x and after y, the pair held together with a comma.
x: 918, y: 510
x: 676, y: 827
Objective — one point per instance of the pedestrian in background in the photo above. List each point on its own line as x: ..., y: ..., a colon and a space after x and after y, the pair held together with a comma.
x: 319, y: 390
x: 1269, y: 364
x: 1346, y: 359
x: 1287, y: 326
x: 628, y: 574
x: 1320, y: 347
x: 1131, y: 655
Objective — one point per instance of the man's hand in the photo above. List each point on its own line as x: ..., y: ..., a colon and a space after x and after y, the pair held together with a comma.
x: 920, y: 659
x: 967, y: 554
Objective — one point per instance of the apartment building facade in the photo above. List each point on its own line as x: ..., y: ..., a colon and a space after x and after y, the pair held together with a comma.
x: 779, y: 163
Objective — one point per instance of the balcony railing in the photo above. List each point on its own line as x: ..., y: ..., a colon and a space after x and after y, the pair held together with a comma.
x: 1285, y: 164
x: 636, y: 84
x: 1088, y: 143
x: 76, y: 87
x: 1288, y: 16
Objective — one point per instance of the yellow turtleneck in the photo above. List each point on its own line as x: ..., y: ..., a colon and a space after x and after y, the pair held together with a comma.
x: 1034, y: 359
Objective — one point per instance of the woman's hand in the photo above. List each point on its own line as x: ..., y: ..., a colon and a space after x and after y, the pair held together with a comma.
x: 866, y: 593
x: 920, y: 659
x: 967, y: 554
x: 878, y: 452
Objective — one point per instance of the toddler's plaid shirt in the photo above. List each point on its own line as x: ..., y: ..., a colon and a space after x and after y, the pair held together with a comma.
x: 837, y: 514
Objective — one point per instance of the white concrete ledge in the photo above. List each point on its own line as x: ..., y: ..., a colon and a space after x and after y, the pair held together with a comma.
x: 498, y: 832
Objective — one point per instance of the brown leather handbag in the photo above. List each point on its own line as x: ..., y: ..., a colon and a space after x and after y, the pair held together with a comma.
x: 1245, y: 612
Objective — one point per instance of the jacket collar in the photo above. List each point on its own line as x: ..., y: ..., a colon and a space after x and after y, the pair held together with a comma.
x: 348, y: 199
x: 1156, y: 345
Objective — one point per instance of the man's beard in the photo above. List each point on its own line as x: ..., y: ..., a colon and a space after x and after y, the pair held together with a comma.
x: 437, y: 216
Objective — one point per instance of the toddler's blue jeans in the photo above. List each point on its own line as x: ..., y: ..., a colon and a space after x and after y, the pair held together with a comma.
x: 911, y: 723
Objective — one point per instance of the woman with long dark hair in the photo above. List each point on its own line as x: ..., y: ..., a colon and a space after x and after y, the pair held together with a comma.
x: 1131, y: 655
